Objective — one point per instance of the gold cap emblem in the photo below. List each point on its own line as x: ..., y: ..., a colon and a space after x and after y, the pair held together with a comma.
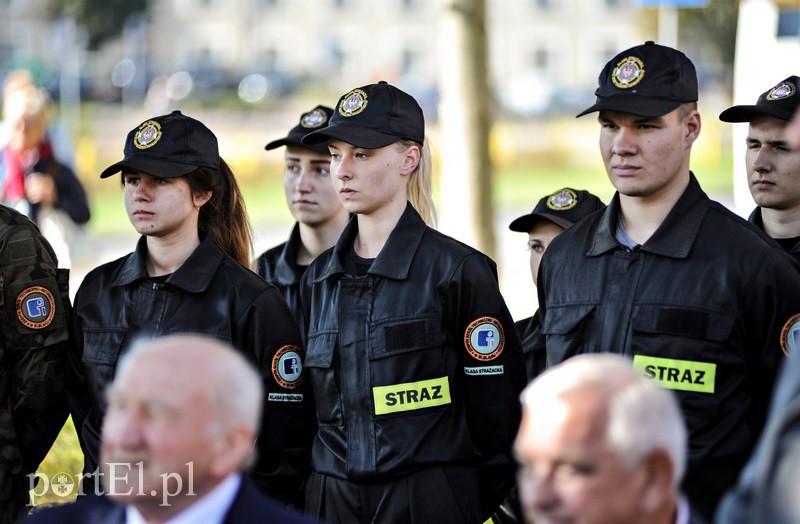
x: 781, y: 91
x: 148, y: 135
x: 562, y: 200
x: 628, y: 72
x: 353, y: 103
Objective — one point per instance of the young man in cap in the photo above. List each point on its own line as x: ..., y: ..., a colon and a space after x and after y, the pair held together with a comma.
x: 654, y: 277
x: 773, y: 168
x: 312, y: 201
x: 551, y: 216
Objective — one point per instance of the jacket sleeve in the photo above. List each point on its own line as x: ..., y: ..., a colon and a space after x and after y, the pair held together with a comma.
x: 493, y: 373
x: 268, y: 332
x: 34, y: 308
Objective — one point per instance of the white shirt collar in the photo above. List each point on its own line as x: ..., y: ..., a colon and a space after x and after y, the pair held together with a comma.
x: 682, y: 515
x: 211, y: 508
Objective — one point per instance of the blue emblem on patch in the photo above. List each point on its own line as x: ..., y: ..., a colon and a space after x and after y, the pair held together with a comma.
x: 36, y: 307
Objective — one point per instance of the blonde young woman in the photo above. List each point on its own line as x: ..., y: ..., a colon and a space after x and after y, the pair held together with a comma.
x: 188, y: 274
x: 411, y: 351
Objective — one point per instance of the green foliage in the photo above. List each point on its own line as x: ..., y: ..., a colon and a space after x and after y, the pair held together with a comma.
x: 101, y: 19
x: 714, y: 26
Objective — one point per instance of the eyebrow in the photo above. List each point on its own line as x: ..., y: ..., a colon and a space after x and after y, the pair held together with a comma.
x: 772, y: 143
x: 638, y: 121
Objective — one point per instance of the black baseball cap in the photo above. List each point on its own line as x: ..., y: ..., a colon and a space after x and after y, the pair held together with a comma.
x: 373, y: 116
x: 168, y: 146
x: 563, y: 208
x: 780, y: 101
x: 315, y: 119
x: 648, y: 80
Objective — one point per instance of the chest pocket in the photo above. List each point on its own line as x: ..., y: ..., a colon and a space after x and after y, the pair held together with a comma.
x: 406, y: 350
x: 564, y: 328
x: 319, y: 366
x: 684, y: 349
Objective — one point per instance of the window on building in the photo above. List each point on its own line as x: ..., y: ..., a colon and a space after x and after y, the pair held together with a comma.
x: 408, y: 61
x: 789, y: 22
x: 266, y: 4
x: 613, y: 4
x: 339, y: 4
x: 269, y: 59
x: 545, y: 4
x: 205, y: 3
x: 410, y: 4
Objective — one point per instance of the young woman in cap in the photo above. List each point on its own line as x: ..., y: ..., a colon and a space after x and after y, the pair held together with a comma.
x: 412, y: 353
x: 552, y: 215
x: 313, y: 202
x: 188, y: 274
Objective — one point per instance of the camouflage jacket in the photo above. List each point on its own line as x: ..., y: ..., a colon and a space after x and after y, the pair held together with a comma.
x: 34, y: 305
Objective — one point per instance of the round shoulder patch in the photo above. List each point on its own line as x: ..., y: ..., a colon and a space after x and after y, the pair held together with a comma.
x: 790, y: 335
x: 287, y: 367
x: 353, y: 103
x: 781, y: 91
x: 313, y: 119
x: 628, y: 72
x: 36, y: 307
x: 562, y: 200
x: 147, y: 135
x: 484, y: 338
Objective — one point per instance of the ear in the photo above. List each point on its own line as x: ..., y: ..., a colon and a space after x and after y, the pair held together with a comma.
x: 692, y: 126
x: 411, y: 160
x: 656, y: 488
x: 230, y: 450
x: 201, y: 198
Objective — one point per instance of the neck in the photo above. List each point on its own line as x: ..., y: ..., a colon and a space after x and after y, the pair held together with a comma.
x: 316, y: 239
x: 374, y: 229
x: 781, y: 223
x: 166, y: 254
x: 642, y: 216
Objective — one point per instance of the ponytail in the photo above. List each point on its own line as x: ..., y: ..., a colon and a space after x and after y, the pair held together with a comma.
x: 420, y: 184
x: 224, y: 215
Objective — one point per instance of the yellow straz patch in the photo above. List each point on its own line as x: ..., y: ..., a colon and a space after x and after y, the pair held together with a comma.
x: 411, y: 396
x: 683, y: 375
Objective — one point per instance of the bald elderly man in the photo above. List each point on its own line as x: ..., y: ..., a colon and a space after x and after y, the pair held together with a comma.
x: 183, y: 414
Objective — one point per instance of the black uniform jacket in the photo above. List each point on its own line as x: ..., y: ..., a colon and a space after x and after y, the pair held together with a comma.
x: 530, y: 335
x: 211, y: 294
x: 34, y: 307
x: 755, y: 218
x: 278, y: 266
x: 415, y: 364
x: 699, y: 308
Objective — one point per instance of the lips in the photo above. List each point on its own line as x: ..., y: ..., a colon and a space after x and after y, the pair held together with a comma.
x: 625, y: 169
x: 763, y: 185
x: 303, y: 202
x: 142, y: 213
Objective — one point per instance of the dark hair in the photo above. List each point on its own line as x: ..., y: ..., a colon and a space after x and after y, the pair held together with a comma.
x: 685, y: 110
x: 224, y: 215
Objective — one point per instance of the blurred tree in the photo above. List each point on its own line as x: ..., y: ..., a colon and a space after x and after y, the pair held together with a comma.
x: 714, y: 26
x: 101, y: 19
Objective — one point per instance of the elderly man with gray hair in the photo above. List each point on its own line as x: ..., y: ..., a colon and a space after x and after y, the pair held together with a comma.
x: 183, y: 414
x: 600, y: 443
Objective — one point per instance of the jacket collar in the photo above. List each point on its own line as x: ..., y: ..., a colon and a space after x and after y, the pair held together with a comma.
x: 193, y: 276
x: 394, y: 260
x: 286, y: 263
x: 673, y: 238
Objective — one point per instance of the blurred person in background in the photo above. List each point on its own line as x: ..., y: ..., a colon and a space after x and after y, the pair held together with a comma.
x: 34, y: 309
x: 174, y: 447
x: 313, y: 202
x: 412, y: 353
x: 33, y: 181
x: 773, y: 167
x: 189, y: 273
x: 599, y: 443
x: 552, y: 215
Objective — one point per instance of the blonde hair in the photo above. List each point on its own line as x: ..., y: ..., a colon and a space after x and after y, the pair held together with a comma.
x: 29, y: 101
x: 420, y: 184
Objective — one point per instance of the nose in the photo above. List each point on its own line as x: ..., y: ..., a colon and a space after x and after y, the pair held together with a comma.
x: 141, y: 192
x: 343, y: 169
x: 624, y: 142
x: 761, y: 163
x: 304, y: 184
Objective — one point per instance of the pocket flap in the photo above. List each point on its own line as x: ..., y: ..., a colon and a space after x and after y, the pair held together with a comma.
x: 404, y: 335
x: 682, y: 322
x: 561, y: 320
x: 319, y: 353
